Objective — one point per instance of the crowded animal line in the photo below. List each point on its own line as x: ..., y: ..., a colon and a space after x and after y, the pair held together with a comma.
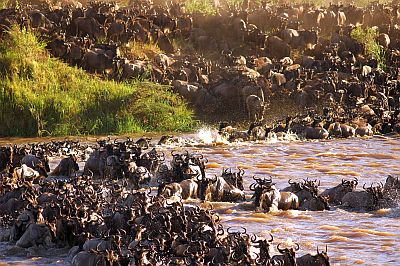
x: 313, y: 180
x: 260, y: 62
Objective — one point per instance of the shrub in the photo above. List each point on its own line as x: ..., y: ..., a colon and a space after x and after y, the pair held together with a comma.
x: 368, y: 37
x: 201, y: 6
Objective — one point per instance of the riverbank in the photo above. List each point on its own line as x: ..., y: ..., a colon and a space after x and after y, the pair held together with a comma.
x: 42, y: 96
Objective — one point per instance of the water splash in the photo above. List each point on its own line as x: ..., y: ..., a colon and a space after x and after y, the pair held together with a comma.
x: 207, y: 135
x: 273, y: 137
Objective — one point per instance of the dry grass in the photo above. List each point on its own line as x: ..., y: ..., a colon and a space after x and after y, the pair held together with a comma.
x: 141, y: 51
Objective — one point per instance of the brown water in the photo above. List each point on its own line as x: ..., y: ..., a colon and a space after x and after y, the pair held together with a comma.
x: 352, y: 238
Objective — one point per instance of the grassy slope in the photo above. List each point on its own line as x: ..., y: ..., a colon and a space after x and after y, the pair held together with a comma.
x: 40, y: 95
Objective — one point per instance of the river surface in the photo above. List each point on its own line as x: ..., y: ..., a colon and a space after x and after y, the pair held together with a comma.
x: 353, y: 238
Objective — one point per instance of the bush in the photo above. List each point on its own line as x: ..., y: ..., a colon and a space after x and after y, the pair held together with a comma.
x: 205, y: 7
x: 40, y: 95
x: 368, y: 37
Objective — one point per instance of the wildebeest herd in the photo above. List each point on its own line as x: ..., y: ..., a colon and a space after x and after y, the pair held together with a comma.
x: 108, y: 213
x: 243, y: 59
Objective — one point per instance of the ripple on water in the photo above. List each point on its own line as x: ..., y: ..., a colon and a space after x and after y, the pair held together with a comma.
x: 265, y: 166
x: 263, y: 173
x: 310, y: 159
x: 250, y: 156
x: 377, y: 156
x: 374, y: 232
x: 213, y: 165
x: 336, y: 238
x: 343, y: 172
x: 359, y: 262
x: 329, y: 227
x: 294, y: 214
x: 352, y: 234
x: 240, y: 220
x: 251, y: 151
x: 244, y: 166
x: 374, y: 164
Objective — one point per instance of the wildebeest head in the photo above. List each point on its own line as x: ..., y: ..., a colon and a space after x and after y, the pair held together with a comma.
x: 264, y: 246
x: 234, y: 178
x: 323, y: 256
x: 289, y: 253
x: 392, y: 182
x: 375, y: 191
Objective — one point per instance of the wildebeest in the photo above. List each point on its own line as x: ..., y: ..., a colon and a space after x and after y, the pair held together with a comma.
x: 34, y: 235
x: 66, y: 167
x: 320, y: 259
x: 369, y: 199
x: 89, y: 26
x: 255, y: 107
x: 336, y: 193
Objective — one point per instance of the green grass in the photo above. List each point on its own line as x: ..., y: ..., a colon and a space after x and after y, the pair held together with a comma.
x: 367, y: 37
x: 205, y: 7
x: 40, y: 95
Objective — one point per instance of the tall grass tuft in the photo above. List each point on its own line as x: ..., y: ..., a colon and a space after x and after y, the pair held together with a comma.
x: 205, y: 7
x: 139, y: 50
x: 40, y: 95
x: 368, y: 37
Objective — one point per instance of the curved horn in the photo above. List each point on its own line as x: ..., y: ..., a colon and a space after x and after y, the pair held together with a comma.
x: 253, y: 186
x: 241, y: 171
x: 228, y: 230
x: 279, y: 249
x: 256, y: 179
x: 244, y: 229
x: 224, y: 170
x: 253, y: 238
x: 220, y: 230
x: 355, y: 181
x: 272, y: 238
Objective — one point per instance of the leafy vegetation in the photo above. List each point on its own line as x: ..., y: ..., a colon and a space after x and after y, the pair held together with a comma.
x: 3, y: 4
x: 205, y: 7
x: 368, y: 37
x: 40, y: 95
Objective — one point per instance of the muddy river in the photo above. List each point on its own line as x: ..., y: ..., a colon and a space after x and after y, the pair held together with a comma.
x: 352, y: 238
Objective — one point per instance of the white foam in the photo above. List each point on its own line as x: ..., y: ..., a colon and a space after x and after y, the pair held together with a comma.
x: 207, y: 135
